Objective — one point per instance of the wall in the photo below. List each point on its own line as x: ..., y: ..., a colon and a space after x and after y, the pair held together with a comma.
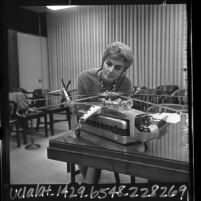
x: 19, y: 20
x: 13, y: 69
x: 157, y: 35
x: 26, y: 21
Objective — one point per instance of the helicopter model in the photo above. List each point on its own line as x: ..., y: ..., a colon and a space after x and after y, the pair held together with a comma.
x: 114, y: 118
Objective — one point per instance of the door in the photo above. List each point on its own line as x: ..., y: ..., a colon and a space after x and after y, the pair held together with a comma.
x: 33, y: 64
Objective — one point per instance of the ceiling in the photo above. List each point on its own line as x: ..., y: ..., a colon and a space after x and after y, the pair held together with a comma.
x: 42, y: 9
x: 38, y: 9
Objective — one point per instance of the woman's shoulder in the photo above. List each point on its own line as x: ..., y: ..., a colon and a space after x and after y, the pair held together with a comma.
x: 92, y: 72
x: 126, y: 80
x: 125, y: 84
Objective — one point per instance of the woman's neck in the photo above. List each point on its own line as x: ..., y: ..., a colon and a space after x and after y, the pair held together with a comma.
x: 106, y: 84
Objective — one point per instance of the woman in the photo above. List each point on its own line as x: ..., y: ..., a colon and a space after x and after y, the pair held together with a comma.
x: 111, y: 76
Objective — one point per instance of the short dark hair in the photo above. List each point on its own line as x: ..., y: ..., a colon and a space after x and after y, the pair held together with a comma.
x: 119, y: 50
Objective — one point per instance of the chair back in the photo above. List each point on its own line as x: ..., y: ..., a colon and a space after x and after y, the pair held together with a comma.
x: 20, y: 99
x: 166, y: 92
x: 148, y: 95
x: 39, y: 96
x: 12, y: 110
x: 138, y: 88
x: 147, y: 92
x: 21, y: 90
x: 180, y: 96
x: 180, y: 92
x: 167, y: 89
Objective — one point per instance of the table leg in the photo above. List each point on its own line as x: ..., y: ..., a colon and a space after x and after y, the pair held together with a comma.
x: 116, y: 175
x: 45, y: 123
x: 51, y: 123
x: 72, y: 174
x: 37, y: 124
x: 133, y: 180
x: 18, y: 134
x: 151, y: 181
x: 68, y: 166
x: 24, y: 126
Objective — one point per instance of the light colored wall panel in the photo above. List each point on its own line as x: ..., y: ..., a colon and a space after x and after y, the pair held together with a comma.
x: 33, y: 62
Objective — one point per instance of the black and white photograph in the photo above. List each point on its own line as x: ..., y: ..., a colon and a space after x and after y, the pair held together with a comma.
x: 96, y: 101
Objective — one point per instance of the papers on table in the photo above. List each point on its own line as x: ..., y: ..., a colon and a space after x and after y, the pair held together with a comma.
x: 168, y: 117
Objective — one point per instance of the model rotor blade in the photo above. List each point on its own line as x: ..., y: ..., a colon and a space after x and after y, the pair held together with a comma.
x: 52, y: 92
x: 86, y: 98
x: 153, y: 104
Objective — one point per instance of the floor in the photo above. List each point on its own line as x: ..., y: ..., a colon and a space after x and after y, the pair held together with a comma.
x: 33, y: 166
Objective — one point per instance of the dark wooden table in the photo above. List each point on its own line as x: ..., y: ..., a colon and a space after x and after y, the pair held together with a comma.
x: 164, y: 160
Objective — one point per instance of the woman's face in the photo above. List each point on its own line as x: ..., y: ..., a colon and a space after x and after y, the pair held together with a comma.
x: 112, y: 69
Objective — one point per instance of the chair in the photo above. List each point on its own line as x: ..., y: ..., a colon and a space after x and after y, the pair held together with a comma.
x: 63, y: 99
x: 180, y: 96
x: 56, y: 109
x: 13, y: 121
x: 138, y: 88
x: 148, y: 95
x: 40, y: 97
x: 28, y: 115
x: 167, y: 91
x: 24, y: 113
x: 66, y: 110
x: 18, y: 103
x: 27, y: 94
x: 20, y: 99
x: 39, y: 100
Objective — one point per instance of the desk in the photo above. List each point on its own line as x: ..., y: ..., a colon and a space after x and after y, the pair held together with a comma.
x: 164, y: 160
